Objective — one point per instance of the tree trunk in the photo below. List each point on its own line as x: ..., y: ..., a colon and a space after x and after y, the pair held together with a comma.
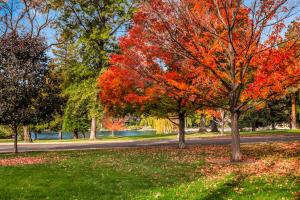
x: 273, y: 126
x: 181, y: 133
x: 203, y: 123
x: 60, y: 135
x: 93, y: 129
x: 16, y: 139
x: 235, y: 133
x: 253, y: 128
x: 223, y: 114
x: 112, y: 133
x: 294, y: 113
x: 213, y: 124
x: 26, y: 134
x: 35, y: 135
x: 75, y: 135
x: 222, y: 128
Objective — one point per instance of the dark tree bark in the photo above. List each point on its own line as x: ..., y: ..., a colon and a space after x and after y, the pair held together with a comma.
x: 294, y: 113
x: 93, y: 129
x: 273, y: 126
x: 203, y: 123
x: 181, y: 133
x: 253, y: 126
x: 15, y: 128
x: 213, y: 124
x: 235, y: 133
x: 75, y: 135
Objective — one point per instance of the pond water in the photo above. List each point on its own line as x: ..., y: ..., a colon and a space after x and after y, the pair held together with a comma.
x: 127, y: 133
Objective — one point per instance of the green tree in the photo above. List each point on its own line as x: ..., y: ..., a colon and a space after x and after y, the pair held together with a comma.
x: 88, y: 31
x: 5, y: 131
x: 273, y: 113
x: 27, y: 95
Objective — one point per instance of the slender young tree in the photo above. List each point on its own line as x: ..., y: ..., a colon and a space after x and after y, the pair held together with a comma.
x: 113, y: 124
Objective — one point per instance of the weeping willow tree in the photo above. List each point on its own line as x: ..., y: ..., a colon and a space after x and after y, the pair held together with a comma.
x: 164, y: 126
x: 147, y: 122
x: 161, y: 125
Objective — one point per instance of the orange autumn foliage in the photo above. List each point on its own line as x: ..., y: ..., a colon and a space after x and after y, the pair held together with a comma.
x: 113, y: 124
x: 214, y: 53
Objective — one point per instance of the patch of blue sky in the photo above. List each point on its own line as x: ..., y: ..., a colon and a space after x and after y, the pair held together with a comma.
x: 51, y: 34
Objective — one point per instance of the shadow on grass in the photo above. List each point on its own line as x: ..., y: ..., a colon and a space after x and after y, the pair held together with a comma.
x: 225, y: 188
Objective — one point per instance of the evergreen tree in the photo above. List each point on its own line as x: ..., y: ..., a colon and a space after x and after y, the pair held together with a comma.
x: 273, y: 113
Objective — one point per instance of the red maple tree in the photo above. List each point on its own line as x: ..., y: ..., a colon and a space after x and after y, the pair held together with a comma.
x: 219, y: 54
x: 230, y: 46
x: 148, y: 83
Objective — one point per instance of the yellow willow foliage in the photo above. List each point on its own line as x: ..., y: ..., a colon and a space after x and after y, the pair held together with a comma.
x: 162, y: 126
x: 147, y: 122
x: 188, y: 122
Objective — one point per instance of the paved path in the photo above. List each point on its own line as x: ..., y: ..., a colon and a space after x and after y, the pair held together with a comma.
x: 5, y: 148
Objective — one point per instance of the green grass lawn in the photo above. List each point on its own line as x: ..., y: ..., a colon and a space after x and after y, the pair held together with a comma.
x: 269, y: 171
x: 271, y: 132
x: 6, y: 140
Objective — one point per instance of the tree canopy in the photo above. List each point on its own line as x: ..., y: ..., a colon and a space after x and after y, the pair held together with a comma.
x: 88, y: 31
x: 230, y: 50
x: 28, y: 92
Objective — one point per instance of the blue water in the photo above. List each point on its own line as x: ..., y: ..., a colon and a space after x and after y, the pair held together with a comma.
x: 54, y: 135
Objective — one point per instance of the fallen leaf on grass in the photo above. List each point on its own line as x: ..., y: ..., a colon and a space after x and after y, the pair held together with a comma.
x: 22, y: 161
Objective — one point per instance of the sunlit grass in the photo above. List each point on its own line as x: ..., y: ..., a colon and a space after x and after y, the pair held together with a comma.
x: 269, y: 171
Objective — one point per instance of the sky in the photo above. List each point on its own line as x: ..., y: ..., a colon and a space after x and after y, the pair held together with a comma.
x: 51, y: 34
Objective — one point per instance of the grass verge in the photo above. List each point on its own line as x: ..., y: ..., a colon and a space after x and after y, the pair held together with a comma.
x: 167, y: 136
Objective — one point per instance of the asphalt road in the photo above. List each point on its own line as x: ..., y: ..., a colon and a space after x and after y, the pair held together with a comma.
x: 6, y: 148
